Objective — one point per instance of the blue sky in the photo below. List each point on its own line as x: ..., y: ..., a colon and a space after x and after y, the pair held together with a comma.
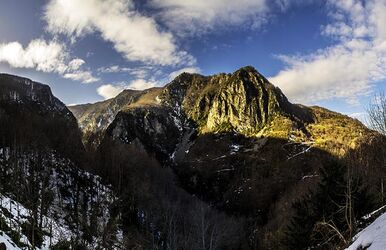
x: 330, y: 53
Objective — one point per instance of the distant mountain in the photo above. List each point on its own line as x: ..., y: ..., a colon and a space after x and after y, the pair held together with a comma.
x: 95, y: 118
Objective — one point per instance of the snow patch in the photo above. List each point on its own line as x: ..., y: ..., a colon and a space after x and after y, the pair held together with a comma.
x: 234, y: 148
x: 8, y: 242
x: 372, y: 237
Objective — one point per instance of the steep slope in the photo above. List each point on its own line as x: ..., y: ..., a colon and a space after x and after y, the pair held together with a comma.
x: 94, y: 118
x: 234, y: 141
x: 371, y: 237
x: 243, y: 102
x: 31, y: 115
x: 46, y: 199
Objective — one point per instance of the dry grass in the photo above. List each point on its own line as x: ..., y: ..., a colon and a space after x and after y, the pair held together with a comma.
x: 335, y: 132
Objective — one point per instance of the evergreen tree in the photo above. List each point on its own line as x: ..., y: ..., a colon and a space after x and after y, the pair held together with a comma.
x: 299, y: 231
x: 327, y: 217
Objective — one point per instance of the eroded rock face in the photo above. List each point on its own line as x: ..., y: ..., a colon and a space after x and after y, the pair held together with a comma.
x: 93, y: 119
x: 163, y: 120
x: 153, y: 129
x: 243, y: 102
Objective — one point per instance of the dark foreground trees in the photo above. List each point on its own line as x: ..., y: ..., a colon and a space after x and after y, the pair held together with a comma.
x: 327, y: 218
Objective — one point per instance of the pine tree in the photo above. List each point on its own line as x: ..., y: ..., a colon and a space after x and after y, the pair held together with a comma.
x: 299, y: 231
x: 327, y: 217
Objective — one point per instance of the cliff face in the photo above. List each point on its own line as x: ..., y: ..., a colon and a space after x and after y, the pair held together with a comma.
x: 243, y: 102
x: 163, y: 120
x: 152, y: 129
x: 31, y: 116
x: 22, y: 91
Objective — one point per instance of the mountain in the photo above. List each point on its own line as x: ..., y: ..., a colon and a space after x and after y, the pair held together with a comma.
x: 243, y: 102
x: 233, y: 140
x: 47, y: 200
x: 31, y: 115
x: 95, y: 118
x: 205, y: 162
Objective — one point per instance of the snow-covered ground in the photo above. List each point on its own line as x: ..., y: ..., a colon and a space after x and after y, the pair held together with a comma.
x: 71, y: 189
x: 8, y: 242
x: 18, y: 215
x: 372, y: 237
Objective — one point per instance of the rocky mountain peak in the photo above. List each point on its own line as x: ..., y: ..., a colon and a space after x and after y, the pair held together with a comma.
x: 244, y: 101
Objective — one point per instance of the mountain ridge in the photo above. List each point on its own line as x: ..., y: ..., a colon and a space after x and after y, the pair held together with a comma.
x: 242, y: 102
x: 229, y: 147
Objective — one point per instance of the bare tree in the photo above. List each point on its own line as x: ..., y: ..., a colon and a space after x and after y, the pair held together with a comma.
x: 377, y: 112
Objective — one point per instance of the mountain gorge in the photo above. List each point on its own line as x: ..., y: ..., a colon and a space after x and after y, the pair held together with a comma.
x: 205, y: 162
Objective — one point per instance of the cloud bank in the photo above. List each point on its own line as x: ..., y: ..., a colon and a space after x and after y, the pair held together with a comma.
x: 108, y: 91
x: 350, y: 67
x: 198, y: 16
x: 135, y: 36
x: 49, y: 57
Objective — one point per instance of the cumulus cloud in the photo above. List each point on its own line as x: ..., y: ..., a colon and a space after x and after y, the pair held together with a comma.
x: 141, y: 84
x: 82, y: 76
x: 350, y: 67
x: 76, y: 63
x: 176, y: 73
x: 136, y: 36
x: 108, y: 91
x: 139, y: 72
x: 44, y: 56
x: 197, y: 16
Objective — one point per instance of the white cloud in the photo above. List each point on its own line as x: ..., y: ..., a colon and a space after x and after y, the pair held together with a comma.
x: 141, y: 84
x: 176, y: 73
x: 137, y: 72
x: 108, y: 91
x: 286, y: 4
x: 46, y: 57
x: 197, y: 16
x: 136, y: 36
x: 349, y: 68
x: 82, y: 76
x: 76, y: 63
x: 43, y: 56
x: 112, y: 69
